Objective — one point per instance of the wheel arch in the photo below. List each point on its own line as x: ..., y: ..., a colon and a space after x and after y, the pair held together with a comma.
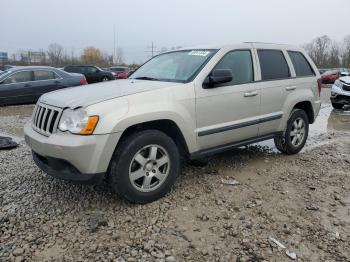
x: 167, y: 126
x: 307, y: 107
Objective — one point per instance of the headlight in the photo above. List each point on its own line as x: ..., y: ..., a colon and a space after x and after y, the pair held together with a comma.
x: 338, y: 83
x: 77, y: 122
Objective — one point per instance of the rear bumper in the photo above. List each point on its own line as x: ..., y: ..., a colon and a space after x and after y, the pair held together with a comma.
x: 64, y: 170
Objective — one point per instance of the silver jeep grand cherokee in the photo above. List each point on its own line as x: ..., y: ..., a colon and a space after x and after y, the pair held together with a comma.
x: 184, y: 104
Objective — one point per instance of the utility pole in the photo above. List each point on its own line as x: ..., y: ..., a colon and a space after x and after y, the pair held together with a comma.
x: 153, y: 49
x: 114, y: 43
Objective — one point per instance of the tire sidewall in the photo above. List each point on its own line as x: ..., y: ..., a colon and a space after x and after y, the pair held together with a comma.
x: 119, y: 172
x: 296, y: 114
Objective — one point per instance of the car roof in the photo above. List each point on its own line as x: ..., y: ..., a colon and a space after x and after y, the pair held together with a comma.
x: 32, y: 68
x: 79, y: 65
x: 244, y: 45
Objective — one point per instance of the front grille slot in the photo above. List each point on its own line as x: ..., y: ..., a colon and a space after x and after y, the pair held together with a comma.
x: 45, y: 119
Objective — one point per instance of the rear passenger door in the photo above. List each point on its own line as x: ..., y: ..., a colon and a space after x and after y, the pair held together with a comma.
x: 276, y: 83
x: 92, y: 74
x: 45, y: 81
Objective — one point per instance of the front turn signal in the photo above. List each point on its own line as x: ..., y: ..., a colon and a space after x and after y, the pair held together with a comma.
x: 90, y: 125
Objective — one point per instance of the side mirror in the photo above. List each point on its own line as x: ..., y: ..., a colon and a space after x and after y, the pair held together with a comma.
x: 218, y: 76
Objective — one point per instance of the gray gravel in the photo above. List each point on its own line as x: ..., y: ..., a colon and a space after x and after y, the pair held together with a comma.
x: 303, y: 201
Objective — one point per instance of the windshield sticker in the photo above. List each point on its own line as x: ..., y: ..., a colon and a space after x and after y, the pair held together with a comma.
x: 199, y: 53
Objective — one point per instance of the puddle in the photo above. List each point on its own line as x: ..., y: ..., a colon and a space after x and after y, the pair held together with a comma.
x: 329, y: 120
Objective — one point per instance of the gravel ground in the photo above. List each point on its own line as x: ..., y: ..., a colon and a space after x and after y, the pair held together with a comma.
x: 303, y: 201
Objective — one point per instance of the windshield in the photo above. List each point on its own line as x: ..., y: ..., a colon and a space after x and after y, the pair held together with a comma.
x: 4, y: 74
x: 177, y: 66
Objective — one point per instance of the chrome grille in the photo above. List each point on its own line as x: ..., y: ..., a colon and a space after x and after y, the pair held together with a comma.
x: 45, y: 119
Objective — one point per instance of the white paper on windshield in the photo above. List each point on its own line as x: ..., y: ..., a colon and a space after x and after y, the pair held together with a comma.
x: 199, y: 53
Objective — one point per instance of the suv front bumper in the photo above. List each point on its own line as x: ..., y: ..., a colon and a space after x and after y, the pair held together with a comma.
x: 340, y: 96
x: 72, y: 157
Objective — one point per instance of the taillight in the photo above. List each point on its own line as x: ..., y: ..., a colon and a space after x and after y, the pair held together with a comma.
x: 319, y: 84
x: 83, y: 81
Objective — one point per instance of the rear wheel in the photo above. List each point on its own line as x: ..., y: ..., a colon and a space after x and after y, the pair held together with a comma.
x: 337, y: 106
x: 144, y: 166
x: 295, y: 135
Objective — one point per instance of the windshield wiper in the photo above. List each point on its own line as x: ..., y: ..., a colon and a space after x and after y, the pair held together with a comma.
x: 147, y: 78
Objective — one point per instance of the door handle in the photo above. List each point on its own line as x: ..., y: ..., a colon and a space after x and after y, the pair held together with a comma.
x: 250, y: 94
x: 291, y: 88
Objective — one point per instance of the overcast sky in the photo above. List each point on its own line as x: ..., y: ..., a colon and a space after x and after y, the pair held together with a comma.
x: 75, y: 24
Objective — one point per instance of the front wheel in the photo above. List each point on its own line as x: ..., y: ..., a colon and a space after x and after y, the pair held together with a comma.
x: 144, y: 166
x: 295, y: 135
x: 337, y: 106
x: 105, y: 78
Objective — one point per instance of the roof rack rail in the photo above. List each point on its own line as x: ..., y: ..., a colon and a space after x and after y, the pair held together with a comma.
x: 263, y: 43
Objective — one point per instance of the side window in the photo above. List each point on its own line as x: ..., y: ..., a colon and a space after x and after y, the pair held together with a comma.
x: 91, y: 70
x: 44, y: 75
x: 19, y: 77
x: 301, y: 65
x: 241, y: 64
x: 273, y: 65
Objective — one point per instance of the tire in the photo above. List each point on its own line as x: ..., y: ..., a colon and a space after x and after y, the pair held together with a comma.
x: 105, y: 78
x: 126, y: 163
x: 286, y: 143
x: 337, y: 106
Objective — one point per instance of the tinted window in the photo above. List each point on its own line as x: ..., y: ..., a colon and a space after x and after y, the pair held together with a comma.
x: 19, y: 77
x: 241, y: 65
x: 44, y: 75
x: 73, y: 69
x: 91, y: 70
x: 301, y: 65
x: 273, y: 65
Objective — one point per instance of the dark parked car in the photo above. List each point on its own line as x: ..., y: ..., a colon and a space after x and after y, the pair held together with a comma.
x: 5, y: 67
x: 120, y: 71
x: 93, y: 74
x: 24, y: 85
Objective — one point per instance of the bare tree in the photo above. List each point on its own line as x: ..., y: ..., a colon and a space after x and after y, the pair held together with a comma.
x: 345, y: 55
x: 318, y: 50
x: 55, y: 54
x: 334, y: 55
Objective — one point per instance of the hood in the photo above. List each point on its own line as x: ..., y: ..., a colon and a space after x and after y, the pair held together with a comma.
x: 94, y: 93
x: 345, y: 79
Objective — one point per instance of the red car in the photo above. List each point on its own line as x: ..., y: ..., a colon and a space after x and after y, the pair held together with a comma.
x: 330, y: 76
x: 121, y: 72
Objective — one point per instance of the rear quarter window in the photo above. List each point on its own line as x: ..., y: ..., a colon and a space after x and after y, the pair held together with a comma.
x: 301, y: 65
x: 273, y: 65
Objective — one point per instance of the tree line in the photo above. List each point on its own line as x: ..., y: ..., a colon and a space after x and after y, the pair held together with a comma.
x: 57, y: 56
x: 325, y: 52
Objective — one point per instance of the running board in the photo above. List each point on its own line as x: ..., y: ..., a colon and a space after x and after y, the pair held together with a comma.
x: 226, y: 147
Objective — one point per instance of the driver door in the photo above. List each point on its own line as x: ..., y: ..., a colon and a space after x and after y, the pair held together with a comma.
x: 229, y: 112
x: 17, y: 88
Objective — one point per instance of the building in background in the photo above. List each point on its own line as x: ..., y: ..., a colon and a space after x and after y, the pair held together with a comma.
x: 33, y: 57
x: 3, y: 57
